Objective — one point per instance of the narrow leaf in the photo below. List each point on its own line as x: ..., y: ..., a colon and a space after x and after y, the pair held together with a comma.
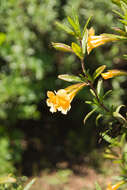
x: 62, y: 47
x: 119, y: 107
x: 88, y: 115
x: 75, y: 26
x: 28, y: 186
x: 77, y: 50
x: 92, y: 92
x: 107, y: 138
x: 119, y: 14
x: 85, y: 27
x: 70, y: 78
x: 98, y: 71
x: 99, y: 87
x: 84, y: 41
x: 75, y: 16
x: 107, y: 93
x: 98, y: 117
x: 119, y: 117
x: 65, y: 28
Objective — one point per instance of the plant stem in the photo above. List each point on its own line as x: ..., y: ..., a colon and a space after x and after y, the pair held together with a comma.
x: 91, y: 84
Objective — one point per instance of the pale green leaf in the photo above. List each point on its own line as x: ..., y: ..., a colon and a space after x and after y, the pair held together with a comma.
x: 62, y: 47
x: 98, y: 117
x: 119, y: 107
x: 92, y: 92
x: 28, y: 186
x: 84, y: 41
x: 119, y: 117
x: 100, y: 87
x: 98, y: 71
x: 85, y: 27
x: 70, y: 78
x: 77, y: 50
x: 88, y: 115
x: 65, y: 28
x: 75, y: 26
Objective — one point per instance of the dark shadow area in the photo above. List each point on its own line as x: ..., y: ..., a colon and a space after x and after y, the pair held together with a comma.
x: 59, y: 141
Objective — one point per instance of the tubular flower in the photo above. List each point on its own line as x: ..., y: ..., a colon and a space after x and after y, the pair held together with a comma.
x: 95, y: 41
x: 116, y: 186
x: 61, y: 100
x: 113, y: 73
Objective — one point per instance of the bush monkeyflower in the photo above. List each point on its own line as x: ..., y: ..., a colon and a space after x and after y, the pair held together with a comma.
x: 61, y: 100
x: 113, y: 73
x: 95, y: 41
x: 116, y: 186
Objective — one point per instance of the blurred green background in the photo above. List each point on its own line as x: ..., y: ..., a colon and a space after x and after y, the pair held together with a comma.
x: 32, y: 138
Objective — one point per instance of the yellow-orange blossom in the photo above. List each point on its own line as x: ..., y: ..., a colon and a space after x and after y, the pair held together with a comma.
x: 95, y: 41
x: 116, y: 186
x: 61, y: 100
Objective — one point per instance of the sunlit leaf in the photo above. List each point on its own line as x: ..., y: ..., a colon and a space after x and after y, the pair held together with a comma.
x: 28, y: 186
x: 98, y: 71
x: 77, y: 50
x: 84, y: 41
x: 119, y: 117
x: 62, y: 47
x: 75, y: 26
x: 65, y: 28
x: 119, y: 107
x: 85, y: 27
x: 70, y: 78
x: 100, y: 87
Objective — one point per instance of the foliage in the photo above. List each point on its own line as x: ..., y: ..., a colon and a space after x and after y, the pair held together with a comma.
x: 86, y: 41
x: 12, y: 183
x: 29, y: 67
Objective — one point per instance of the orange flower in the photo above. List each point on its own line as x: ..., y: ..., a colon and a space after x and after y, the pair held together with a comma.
x: 95, y: 41
x: 113, y: 73
x: 116, y: 186
x: 61, y: 100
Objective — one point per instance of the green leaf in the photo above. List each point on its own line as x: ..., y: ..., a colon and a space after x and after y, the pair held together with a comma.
x: 107, y: 138
x: 119, y: 107
x: 85, y: 27
x: 92, y: 92
x: 107, y: 93
x: 77, y: 50
x: 70, y: 78
x: 89, y: 102
x: 65, y: 28
x: 62, y: 47
x: 98, y: 186
x: 119, y: 117
x: 88, y: 115
x: 84, y: 41
x: 75, y: 26
x: 98, y: 71
x: 98, y: 117
x: 28, y: 186
x: 99, y: 87
x: 119, y: 14
x: 75, y: 17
